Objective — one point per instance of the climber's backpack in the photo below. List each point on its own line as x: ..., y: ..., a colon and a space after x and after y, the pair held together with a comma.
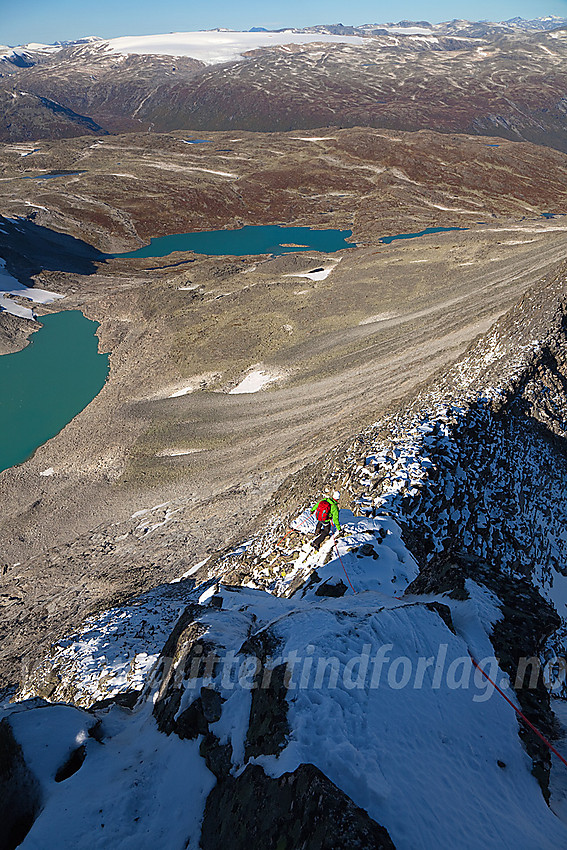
x: 323, y: 511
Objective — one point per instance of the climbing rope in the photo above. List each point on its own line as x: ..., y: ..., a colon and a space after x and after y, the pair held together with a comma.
x: 343, y: 566
x: 290, y: 529
x: 519, y: 713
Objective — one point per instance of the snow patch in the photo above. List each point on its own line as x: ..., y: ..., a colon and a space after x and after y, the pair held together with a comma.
x: 255, y: 381
x: 379, y: 317
x: 317, y: 274
x: 10, y: 287
x: 313, y: 138
x: 177, y: 452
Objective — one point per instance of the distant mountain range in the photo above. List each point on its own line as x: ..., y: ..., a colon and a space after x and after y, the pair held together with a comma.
x: 506, y: 78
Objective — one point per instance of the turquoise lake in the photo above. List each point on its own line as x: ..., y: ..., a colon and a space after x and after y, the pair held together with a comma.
x: 387, y: 239
x: 44, y: 386
x: 267, y: 239
x: 48, y: 383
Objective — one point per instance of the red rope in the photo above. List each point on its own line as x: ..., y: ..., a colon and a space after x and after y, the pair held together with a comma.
x: 523, y: 716
x: 343, y: 566
x: 290, y: 529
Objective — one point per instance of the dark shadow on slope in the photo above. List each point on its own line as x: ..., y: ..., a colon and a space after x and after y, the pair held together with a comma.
x: 540, y: 397
x: 20, y: 796
x: 29, y: 248
x: 527, y: 623
x: 83, y: 121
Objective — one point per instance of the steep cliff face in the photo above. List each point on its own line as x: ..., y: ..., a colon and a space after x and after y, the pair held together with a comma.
x: 478, y: 462
x: 314, y: 699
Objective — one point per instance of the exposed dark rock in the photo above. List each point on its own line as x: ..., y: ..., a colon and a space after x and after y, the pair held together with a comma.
x: 72, y: 765
x: 186, y: 619
x: 20, y: 797
x: 328, y: 589
x: 127, y: 699
x: 302, y: 810
x: 184, y: 656
x: 166, y: 709
x: 440, y: 575
x: 444, y: 612
x: 262, y: 645
x: 191, y: 722
x: 268, y: 729
x: 195, y: 719
x: 97, y: 732
x: 299, y: 583
x: 212, y: 702
x: 217, y: 756
x: 28, y: 248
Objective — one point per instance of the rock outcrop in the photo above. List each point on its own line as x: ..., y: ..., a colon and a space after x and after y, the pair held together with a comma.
x: 302, y: 809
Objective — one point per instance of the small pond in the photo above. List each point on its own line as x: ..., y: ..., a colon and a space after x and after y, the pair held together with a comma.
x: 48, y: 383
x: 387, y: 239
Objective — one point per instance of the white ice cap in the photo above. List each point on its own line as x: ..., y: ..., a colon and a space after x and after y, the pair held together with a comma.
x: 336, y: 495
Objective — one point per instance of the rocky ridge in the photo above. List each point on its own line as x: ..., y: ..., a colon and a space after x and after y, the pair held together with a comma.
x: 453, y: 515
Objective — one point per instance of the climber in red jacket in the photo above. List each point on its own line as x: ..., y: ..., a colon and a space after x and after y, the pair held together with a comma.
x: 325, y: 510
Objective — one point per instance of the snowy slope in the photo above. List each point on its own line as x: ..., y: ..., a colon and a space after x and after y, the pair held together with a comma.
x: 396, y: 750
x: 137, y: 788
x: 113, y: 652
x: 407, y: 726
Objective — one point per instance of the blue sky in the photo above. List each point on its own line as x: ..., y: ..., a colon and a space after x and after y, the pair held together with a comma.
x: 53, y: 20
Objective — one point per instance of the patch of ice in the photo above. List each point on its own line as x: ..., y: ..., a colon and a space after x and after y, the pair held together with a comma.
x: 9, y: 306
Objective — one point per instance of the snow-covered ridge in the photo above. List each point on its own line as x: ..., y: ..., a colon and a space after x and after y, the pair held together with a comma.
x: 379, y: 687
x: 475, y: 463
x: 223, y: 45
